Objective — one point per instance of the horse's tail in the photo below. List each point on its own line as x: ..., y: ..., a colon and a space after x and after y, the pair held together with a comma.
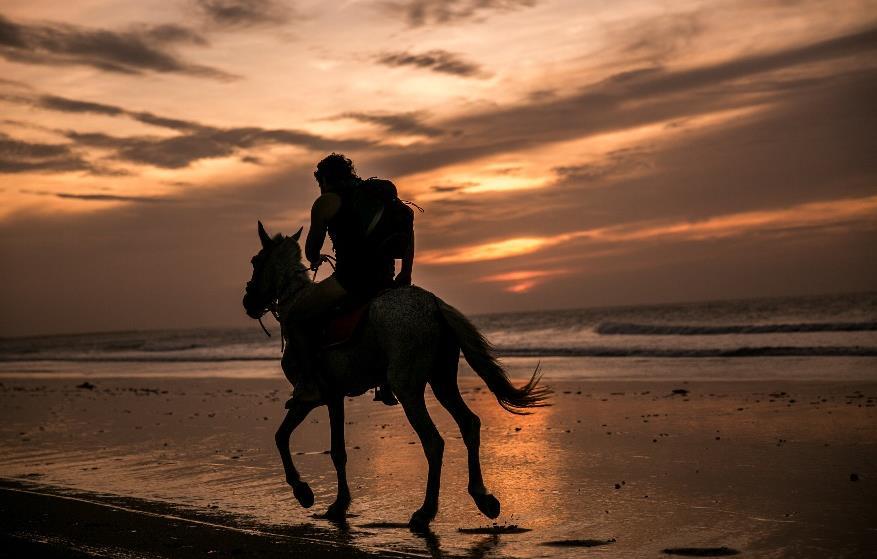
x: 479, y: 353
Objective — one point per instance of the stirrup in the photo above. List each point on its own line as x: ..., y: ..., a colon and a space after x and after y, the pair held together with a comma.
x: 385, y: 396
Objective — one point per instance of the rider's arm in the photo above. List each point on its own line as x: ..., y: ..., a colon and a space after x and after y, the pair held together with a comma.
x: 404, y: 276
x: 325, y: 207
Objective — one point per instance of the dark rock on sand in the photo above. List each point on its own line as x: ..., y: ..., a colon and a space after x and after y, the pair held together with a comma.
x: 854, y: 477
x: 495, y: 529
x: 701, y: 551
x: 86, y: 385
x: 680, y: 391
x: 387, y: 525
x: 579, y: 543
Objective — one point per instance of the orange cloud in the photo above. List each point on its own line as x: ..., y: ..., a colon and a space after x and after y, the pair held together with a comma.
x: 522, y: 287
x: 803, y: 215
x: 488, y: 251
x: 522, y: 280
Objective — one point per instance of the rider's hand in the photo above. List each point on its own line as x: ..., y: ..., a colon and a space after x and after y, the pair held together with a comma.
x: 316, y: 265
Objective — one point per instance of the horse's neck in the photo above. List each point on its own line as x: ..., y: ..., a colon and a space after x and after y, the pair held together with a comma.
x: 293, y: 282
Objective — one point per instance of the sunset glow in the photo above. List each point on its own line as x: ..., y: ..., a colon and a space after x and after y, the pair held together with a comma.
x: 144, y: 140
x: 522, y: 281
x: 805, y: 216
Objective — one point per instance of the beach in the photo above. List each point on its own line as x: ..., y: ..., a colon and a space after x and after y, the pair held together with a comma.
x: 782, y: 466
x: 649, y: 226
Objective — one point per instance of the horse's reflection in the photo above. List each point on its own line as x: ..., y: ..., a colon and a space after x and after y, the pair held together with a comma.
x: 479, y: 549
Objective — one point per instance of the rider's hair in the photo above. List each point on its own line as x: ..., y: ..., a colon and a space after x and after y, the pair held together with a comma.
x: 335, y: 169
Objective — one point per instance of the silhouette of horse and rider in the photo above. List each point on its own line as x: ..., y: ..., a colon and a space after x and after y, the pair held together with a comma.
x: 406, y: 337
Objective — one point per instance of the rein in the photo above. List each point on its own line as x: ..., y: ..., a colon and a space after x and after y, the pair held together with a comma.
x: 323, y: 258
x: 267, y: 333
x: 274, y: 303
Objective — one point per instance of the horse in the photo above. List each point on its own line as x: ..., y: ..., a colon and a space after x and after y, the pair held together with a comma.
x: 410, y: 338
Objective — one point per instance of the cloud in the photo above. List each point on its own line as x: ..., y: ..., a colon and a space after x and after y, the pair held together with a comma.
x: 14, y: 83
x: 444, y: 188
x: 425, y: 12
x: 410, y: 123
x: 17, y: 156
x: 205, y: 142
x: 809, y: 215
x: 194, y: 141
x: 141, y: 48
x: 244, y: 13
x: 811, y: 144
x: 814, y: 143
x: 98, y: 197
x: 436, y: 60
x: 657, y: 38
x: 615, y: 163
x: 63, y: 104
x: 522, y: 281
x: 628, y: 100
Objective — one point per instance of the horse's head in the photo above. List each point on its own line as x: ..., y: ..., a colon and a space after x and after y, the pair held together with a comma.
x: 279, y: 255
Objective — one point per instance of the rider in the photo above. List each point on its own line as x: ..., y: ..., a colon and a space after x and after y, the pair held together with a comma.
x: 360, y: 272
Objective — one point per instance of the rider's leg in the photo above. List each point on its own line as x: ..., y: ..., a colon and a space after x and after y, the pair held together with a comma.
x: 304, y: 327
x: 317, y: 300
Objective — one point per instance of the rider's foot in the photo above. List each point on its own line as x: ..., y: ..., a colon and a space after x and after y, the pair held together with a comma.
x: 385, y: 395
x: 305, y: 391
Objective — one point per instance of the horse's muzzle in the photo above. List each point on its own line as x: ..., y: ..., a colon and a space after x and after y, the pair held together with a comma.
x: 254, y: 308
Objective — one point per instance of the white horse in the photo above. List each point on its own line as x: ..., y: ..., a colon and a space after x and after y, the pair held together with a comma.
x: 410, y: 338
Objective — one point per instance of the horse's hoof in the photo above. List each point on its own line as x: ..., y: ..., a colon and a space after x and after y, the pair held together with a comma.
x: 487, y: 504
x: 420, y: 521
x: 337, y: 511
x: 303, y: 494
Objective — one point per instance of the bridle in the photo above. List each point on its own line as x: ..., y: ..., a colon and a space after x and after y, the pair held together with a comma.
x: 273, y: 304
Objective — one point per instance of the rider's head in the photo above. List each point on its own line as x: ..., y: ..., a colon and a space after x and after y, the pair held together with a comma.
x: 335, y: 172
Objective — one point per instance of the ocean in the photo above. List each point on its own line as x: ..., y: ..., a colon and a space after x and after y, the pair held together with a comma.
x: 617, y: 342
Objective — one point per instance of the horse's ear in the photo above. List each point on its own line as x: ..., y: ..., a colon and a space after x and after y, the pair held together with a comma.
x: 297, y: 235
x: 263, y: 236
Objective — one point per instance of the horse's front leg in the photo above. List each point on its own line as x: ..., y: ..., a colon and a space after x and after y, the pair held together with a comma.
x: 298, y: 411
x: 338, y: 509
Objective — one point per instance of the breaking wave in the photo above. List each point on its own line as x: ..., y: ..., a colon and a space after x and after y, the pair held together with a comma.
x: 632, y: 329
x: 756, y: 351
x: 778, y: 351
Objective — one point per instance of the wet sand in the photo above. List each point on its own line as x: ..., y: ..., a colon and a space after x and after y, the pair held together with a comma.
x: 181, y: 467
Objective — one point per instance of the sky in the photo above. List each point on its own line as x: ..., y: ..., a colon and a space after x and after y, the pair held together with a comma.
x: 566, y: 153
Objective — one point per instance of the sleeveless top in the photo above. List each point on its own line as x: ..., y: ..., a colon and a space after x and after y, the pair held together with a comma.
x: 359, y: 268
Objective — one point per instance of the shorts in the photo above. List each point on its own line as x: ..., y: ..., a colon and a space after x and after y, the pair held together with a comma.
x: 365, y: 280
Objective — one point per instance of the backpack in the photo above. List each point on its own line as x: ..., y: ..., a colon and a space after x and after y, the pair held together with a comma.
x: 391, y: 229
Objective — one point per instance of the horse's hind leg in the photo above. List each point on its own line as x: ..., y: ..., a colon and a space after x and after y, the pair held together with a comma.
x: 338, y: 509
x: 433, y: 448
x: 448, y: 394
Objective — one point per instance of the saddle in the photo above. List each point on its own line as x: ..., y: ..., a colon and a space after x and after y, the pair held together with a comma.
x: 342, y: 327
x: 344, y: 324
x: 345, y: 321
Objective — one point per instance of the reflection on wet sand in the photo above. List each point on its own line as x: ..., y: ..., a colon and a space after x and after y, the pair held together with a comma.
x: 630, y: 467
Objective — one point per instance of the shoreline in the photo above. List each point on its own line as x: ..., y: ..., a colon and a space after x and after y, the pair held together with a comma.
x: 856, y: 369
x: 119, y: 525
